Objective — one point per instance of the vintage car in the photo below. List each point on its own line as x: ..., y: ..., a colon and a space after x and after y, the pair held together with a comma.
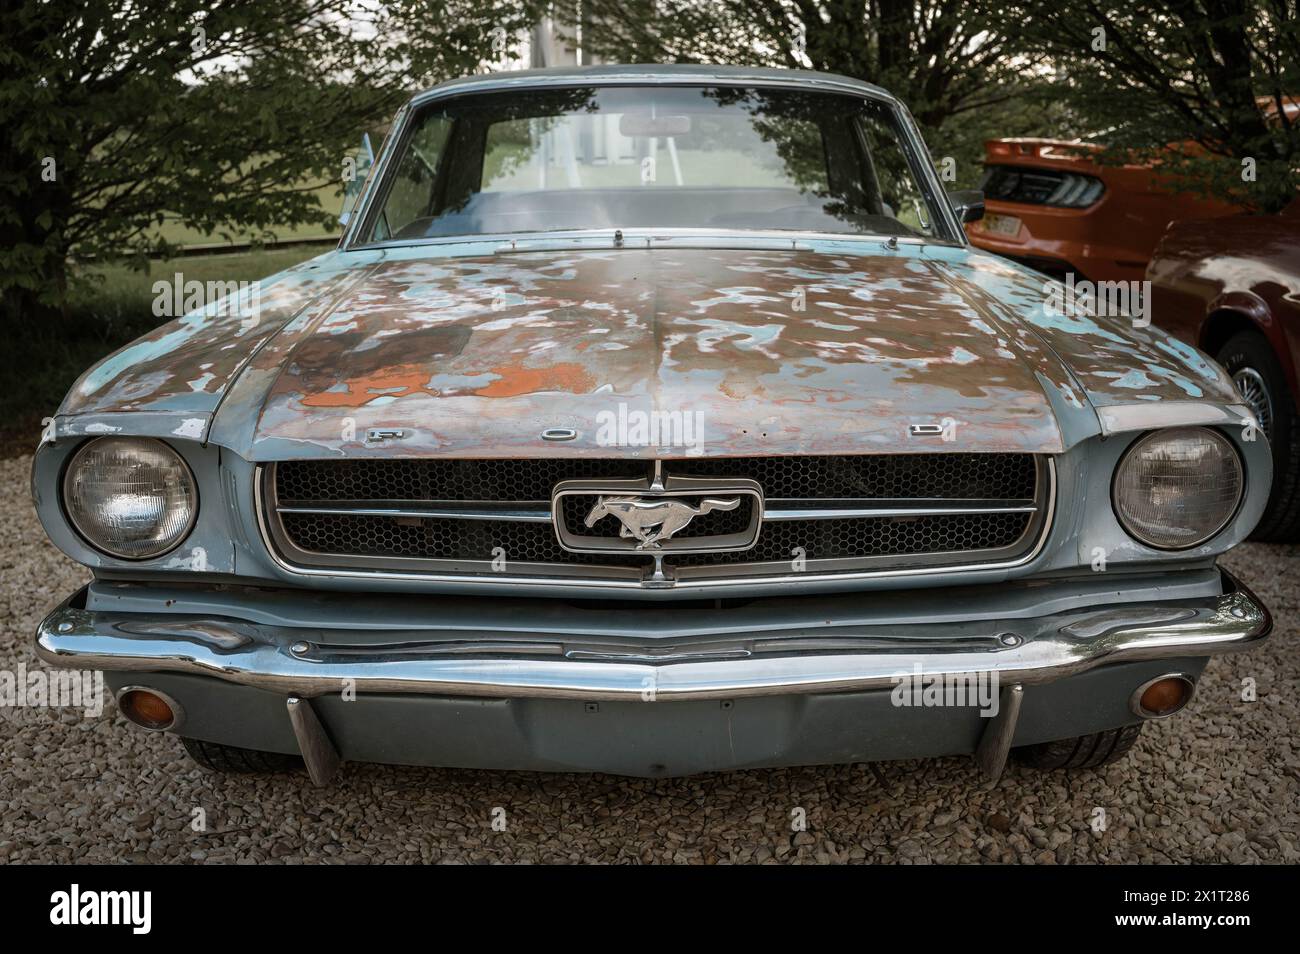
x: 1232, y: 288
x: 652, y: 420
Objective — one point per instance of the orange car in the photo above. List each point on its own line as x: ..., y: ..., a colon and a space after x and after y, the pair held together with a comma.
x: 1047, y: 204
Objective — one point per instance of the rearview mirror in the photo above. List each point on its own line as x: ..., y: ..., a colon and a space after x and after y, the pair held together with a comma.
x: 968, y: 204
x: 643, y: 124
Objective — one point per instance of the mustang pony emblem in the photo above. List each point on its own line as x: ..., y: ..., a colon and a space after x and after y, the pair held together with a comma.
x: 652, y: 521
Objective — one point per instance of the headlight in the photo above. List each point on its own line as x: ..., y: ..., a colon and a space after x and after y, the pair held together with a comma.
x: 132, y: 498
x: 1177, y: 488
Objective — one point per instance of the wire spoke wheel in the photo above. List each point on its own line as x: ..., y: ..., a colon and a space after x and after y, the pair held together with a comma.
x: 1253, y: 390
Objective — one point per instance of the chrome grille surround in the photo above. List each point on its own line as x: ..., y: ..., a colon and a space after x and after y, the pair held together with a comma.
x: 350, y: 528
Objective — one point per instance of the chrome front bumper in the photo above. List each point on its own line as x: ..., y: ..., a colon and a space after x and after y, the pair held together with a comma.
x: 461, y: 670
x: 314, y: 662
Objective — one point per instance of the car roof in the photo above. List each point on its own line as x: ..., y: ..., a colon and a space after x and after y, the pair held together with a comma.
x: 650, y: 74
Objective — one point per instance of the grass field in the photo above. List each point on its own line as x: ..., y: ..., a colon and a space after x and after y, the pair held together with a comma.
x: 330, y: 198
x: 110, y: 305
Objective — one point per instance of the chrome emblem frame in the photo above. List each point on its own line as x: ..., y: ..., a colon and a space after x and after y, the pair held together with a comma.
x: 651, y: 512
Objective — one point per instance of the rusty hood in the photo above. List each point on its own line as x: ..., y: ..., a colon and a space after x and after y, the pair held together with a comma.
x: 667, y: 352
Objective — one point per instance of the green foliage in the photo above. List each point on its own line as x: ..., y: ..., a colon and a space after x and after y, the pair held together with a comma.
x: 1208, y: 77
x: 107, y: 307
x: 939, y: 56
x: 944, y: 59
x: 1172, y: 71
x: 118, y: 117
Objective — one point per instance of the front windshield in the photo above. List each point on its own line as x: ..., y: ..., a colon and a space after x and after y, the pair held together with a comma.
x: 653, y: 157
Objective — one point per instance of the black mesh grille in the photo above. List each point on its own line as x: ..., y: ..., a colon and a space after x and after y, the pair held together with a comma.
x: 467, y: 540
x: 842, y: 539
x: 441, y: 479
x: 779, y: 541
x: 811, y: 481
x: 971, y: 476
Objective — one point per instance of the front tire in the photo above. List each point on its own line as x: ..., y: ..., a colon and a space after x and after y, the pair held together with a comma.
x: 1255, y: 370
x: 1081, y: 752
x: 230, y: 760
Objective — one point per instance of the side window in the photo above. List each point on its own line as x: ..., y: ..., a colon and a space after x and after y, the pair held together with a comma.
x: 411, y: 195
x: 898, y: 187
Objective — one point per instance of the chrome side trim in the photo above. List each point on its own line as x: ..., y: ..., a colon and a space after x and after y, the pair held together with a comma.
x: 286, y: 660
x: 936, y: 509
x: 450, y: 510
x: 506, y: 243
x: 792, y: 509
x: 633, y: 74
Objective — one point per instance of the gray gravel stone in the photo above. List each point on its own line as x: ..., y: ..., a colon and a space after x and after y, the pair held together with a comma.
x: 1220, y: 783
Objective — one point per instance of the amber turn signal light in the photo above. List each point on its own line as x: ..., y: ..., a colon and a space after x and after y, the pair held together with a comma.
x: 1162, y: 696
x: 149, y: 708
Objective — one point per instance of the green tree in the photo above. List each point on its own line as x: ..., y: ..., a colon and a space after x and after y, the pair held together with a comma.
x: 119, y: 115
x: 1210, y: 78
x: 947, y: 60
x: 941, y: 57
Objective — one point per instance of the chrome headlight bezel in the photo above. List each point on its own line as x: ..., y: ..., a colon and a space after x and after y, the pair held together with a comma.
x: 88, y: 534
x: 1173, y: 434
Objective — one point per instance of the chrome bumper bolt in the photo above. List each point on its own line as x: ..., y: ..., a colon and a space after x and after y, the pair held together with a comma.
x: 1009, y: 639
x: 299, y: 648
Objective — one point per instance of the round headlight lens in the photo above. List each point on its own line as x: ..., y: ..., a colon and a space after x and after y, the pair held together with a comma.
x: 132, y: 498
x: 1177, y: 488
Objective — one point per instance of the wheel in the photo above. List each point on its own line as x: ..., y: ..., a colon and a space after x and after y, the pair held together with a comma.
x: 216, y: 757
x: 1084, y: 751
x: 1256, y: 372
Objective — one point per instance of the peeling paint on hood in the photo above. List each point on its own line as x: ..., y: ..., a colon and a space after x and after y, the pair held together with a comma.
x: 837, y: 348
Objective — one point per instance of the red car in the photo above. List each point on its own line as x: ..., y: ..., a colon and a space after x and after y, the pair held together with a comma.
x: 1232, y: 288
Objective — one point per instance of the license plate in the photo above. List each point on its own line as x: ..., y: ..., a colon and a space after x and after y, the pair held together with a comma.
x: 1002, y: 224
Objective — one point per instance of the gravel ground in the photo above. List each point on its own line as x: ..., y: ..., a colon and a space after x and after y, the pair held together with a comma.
x: 1218, y: 784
